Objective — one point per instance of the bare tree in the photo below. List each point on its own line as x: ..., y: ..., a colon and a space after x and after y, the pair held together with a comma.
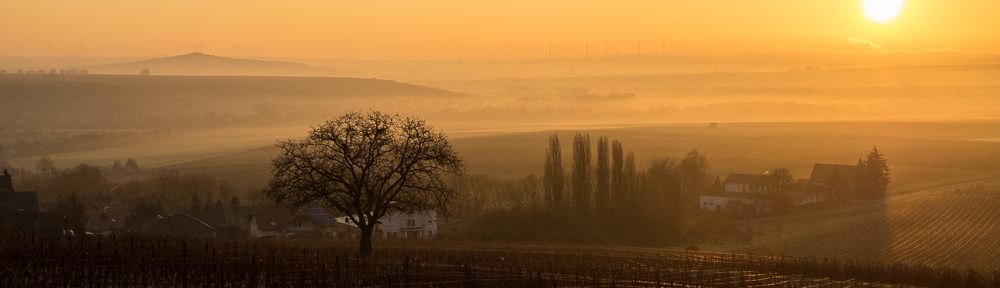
x: 366, y: 165
x: 779, y: 181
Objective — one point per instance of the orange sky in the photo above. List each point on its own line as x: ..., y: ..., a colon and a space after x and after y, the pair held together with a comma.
x: 435, y: 29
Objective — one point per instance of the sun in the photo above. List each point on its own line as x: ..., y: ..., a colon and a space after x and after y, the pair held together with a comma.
x: 882, y: 11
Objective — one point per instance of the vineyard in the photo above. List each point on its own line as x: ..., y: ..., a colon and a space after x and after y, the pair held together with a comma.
x: 959, y: 229
x: 28, y: 260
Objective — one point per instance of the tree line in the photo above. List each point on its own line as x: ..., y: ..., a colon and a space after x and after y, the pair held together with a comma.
x: 602, y: 198
x: 194, y: 192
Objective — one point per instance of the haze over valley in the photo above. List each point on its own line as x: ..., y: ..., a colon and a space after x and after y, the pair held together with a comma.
x: 827, y: 144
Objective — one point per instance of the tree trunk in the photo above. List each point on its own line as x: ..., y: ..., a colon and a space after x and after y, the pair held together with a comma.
x: 366, y: 240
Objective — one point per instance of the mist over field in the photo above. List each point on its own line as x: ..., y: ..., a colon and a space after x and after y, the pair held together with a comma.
x: 732, y: 144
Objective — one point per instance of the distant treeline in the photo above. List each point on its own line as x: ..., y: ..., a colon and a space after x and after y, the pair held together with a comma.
x: 260, y: 114
x: 610, y: 201
x: 29, y: 142
x: 43, y: 72
x: 195, y: 192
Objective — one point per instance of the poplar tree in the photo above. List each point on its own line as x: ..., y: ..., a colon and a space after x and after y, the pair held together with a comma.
x: 554, y: 175
x: 602, y: 196
x: 581, y: 173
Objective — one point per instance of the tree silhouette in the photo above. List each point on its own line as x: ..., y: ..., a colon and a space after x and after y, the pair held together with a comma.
x: 778, y: 181
x: 877, y: 175
x: 581, y: 173
x: 131, y: 165
x: 602, y: 194
x: 366, y: 165
x: 617, y: 165
x: 554, y: 175
x: 45, y: 165
x: 144, y: 71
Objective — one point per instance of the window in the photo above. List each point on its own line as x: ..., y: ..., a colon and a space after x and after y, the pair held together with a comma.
x: 411, y: 222
x: 710, y: 203
x: 297, y: 223
x: 274, y: 224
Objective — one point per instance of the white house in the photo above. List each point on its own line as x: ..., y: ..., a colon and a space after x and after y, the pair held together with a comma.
x: 743, y: 192
x: 421, y: 224
x: 750, y: 192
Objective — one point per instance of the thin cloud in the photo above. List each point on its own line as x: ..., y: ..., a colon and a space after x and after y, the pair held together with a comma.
x: 894, y: 51
x: 864, y: 43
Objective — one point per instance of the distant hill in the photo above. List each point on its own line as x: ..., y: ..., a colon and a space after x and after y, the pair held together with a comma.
x: 204, y: 64
x: 38, y: 98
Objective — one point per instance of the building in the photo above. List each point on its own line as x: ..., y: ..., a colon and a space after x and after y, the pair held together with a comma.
x: 107, y: 221
x: 421, y: 224
x: 229, y: 221
x: 19, y: 210
x: 747, y: 193
x: 751, y: 193
x: 834, y: 179
x: 329, y: 220
x: 176, y: 225
x: 271, y: 221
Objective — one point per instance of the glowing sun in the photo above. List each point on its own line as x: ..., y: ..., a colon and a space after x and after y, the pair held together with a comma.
x: 881, y: 10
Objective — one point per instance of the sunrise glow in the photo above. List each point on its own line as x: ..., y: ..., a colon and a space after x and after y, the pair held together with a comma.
x: 882, y: 11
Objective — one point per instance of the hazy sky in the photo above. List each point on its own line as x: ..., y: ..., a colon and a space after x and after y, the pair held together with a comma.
x: 436, y: 29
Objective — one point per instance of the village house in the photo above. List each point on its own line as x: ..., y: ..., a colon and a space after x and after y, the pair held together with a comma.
x: 176, y: 225
x: 229, y: 221
x: 743, y: 192
x: 750, y: 193
x: 836, y: 180
x: 334, y: 228
x: 275, y: 222
x: 19, y: 210
x: 106, y: 221
x: 421, y: 224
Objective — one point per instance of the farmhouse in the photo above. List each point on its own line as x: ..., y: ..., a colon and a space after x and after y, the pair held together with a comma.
x: 750, y: 193
x: 421, y: 224
x: 834, y: 179
x: 743, y: 192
